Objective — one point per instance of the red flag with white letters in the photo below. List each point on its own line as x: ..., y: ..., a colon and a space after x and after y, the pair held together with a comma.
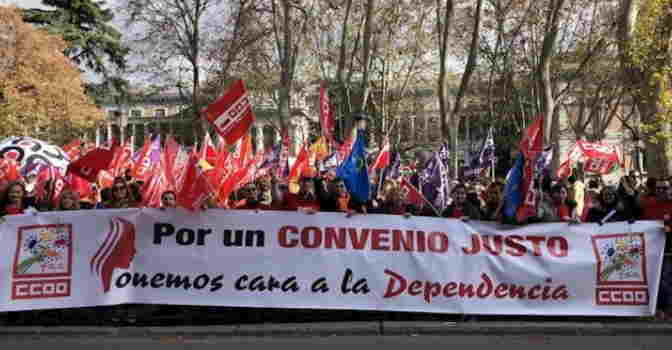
x: 89, y: 165
x: 326, y: 115
x: 231, y: 114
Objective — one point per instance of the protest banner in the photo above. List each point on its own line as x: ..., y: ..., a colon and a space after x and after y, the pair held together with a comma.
x: 327, y: 261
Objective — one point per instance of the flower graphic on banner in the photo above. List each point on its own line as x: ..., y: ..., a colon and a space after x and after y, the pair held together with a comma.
x: 44, y: 251
x: 621, y: 258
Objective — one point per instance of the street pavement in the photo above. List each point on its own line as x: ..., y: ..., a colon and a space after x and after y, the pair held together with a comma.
x: 474, y: 342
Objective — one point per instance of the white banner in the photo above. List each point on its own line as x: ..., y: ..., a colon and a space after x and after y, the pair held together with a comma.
x: 327, y: 261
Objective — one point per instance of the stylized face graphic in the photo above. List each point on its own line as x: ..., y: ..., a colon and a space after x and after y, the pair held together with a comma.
x: 116, y: 252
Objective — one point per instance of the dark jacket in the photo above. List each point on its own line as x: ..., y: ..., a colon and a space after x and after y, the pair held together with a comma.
x: 468, y: 210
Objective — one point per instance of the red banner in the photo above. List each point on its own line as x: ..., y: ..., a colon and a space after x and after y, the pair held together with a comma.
x: 326, y: 115
x: 231, y: 114
x: 532, y: 142
x: 88, y: 166
x: 598, y: 158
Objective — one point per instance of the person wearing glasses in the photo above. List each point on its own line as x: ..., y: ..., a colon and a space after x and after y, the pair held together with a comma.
x: 338, y: 199
x: 249, y: 198
x: 121, y: 196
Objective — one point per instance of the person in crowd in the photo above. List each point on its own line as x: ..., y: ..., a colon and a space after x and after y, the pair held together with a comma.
x: 306, y: 200
x: 69, y: 200
x: 578, y: 190
x: 555, y: 207
x: 493, y: 197
x: 267, y: 199
x: 338, y: 199
x: 461, y: 208
x: 168, y: 199
x: 656, y: 207
x: 610, y: 208
x: 13, y: 200
x: 121, y: 196
x: 392, y: 201
x: 249, y: 198
x: 649, y: 192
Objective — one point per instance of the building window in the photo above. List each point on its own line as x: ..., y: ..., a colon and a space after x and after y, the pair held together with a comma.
x: 136, y: 113
x: 160, y: 113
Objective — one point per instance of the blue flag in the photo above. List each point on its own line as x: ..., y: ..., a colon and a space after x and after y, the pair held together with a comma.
x: 513, y: 196
x: 354, y: 170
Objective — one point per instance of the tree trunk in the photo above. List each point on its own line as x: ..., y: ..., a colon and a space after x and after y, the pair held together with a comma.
x: 464, y: 83
x: 551, y: 117
x: 444, y: 21
x: 366, y: 54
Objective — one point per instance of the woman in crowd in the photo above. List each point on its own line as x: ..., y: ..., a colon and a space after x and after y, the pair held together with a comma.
x: 610, y: 208
x: 168, y: 199
x: 493, y: 202
x: 556, y: 208
x: 461, y: 208
x: 69, y: 200
x: 122, y: 197
x: 13, y: 200
x: 392, y: 201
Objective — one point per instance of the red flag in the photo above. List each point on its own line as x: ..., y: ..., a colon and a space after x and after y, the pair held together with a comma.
x: 9, y: 171
x: 231, y: 114
x: 51, y: 174
x: 169, y: 157
x: 154, y: 188
x: 105, y: 179
x: 565, y: 170
x: 412, y: 195
x: 149, y: 157
x: 383, y: 159
x: 73, y: 149
x: 121, y: 159
x: 599, y: 158
x: 531, y: 145
x: 326, y: 115
x: 300, y: 164
x: 532, y: 142
x: 195, y: 189
x: 89, y: 165
x: 80, y: 185
x: 208, y: 151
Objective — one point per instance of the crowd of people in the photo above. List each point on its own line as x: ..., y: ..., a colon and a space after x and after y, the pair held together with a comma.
x: 569, y: 200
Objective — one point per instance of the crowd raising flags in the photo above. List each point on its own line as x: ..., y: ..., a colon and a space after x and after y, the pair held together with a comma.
x: 215, y: 170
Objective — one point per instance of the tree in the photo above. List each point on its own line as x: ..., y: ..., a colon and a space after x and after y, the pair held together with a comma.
x: 41, y: 91
x: 92, y: 41
x: 169, y: 33
x: 645, y: 50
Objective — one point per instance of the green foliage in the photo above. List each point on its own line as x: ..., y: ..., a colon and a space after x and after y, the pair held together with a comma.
x: 84, y: 25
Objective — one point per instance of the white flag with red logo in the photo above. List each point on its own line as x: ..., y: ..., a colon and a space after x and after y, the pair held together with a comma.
x: 599, y: 158
x: 231, y: 114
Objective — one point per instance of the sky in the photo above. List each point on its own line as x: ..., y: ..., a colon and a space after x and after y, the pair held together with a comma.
x: 23, y: 3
